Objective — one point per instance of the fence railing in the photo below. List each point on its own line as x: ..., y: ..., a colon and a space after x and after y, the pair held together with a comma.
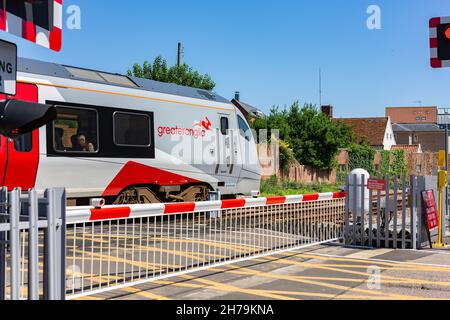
x: 118, y: 246
x: 384, y: 218
x: 32, y: 245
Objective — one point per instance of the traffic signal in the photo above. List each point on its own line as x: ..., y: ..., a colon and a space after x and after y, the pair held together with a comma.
x: 440, y: 42
x: 20, y: 117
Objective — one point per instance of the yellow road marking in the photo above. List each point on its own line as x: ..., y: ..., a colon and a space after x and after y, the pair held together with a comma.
x: 324, y: 267
x: 294, y: 293
x: 231, y: 288
x: 246, y: 271
x: 143, y: 293
x: 385, y: 263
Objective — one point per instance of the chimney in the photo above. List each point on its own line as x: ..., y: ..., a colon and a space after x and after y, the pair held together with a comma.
x: 237, y: 96
x: 328, y: 111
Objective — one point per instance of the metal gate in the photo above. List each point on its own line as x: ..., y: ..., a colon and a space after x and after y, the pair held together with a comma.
x: 389, y: 218
x: 32, y: 250
x: 117, y: 246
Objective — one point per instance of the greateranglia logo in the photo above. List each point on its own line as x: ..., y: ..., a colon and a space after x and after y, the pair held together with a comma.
x: 206, y: 124
x: 198, y: 131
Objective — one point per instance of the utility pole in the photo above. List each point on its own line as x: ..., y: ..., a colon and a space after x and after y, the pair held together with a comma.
x: 320, y: 87
x: 180, y: 49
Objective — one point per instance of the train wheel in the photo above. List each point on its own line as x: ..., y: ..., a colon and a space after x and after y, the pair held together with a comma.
x: 139, y: 195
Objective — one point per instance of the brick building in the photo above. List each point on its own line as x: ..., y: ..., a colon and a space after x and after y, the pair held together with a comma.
x: 412, y: 115
x: 417, y: 126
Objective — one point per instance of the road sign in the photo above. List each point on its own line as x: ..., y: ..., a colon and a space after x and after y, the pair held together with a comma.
x: 440, y: 42
x: 378, y: 185
x: 37, y: 21
x: 8, y: 67
x: 432, y: 214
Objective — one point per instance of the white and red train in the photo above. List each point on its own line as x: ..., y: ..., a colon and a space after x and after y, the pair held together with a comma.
x: 128, y: 140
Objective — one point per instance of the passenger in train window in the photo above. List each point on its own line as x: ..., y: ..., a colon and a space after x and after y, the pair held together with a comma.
x: 84, y: 145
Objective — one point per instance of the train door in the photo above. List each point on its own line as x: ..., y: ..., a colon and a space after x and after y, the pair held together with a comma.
x: 20, y: 157
x: 228, y: 164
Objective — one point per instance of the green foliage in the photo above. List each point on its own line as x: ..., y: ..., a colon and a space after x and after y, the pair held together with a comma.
x: 182, y: 75
x: 273, y: 187
x: 287, y: 157
x: 385, y: 165
x: 361, y: 156
x: 314, y: 138
x: 399, y: 165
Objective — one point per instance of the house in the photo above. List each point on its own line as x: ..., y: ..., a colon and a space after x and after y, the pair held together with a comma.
x: 429, y: 135
x: 377, y: 131
x: 417, y: 125
x: 247, y: 110
x: 412, y: 115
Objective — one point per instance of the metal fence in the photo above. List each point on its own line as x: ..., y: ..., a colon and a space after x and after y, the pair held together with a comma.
x: 32, y: 251
x: 383, y: 218
x: 112, y: 247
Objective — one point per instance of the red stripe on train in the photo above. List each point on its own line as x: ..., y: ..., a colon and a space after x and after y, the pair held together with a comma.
x: 110, y: 213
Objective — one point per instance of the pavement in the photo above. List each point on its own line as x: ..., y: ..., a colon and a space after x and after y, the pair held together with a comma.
x: 323, y: 272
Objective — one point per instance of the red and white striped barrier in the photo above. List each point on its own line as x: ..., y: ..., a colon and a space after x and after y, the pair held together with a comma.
x: 91, y: 214
x: 27, y: 30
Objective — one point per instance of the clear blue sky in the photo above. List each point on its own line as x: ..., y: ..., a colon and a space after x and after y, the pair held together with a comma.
x: 271, y: 51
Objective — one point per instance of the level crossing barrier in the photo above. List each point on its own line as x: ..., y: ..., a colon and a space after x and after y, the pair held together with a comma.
x: 116, y: 246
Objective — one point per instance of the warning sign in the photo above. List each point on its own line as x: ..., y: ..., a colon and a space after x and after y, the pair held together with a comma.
x: 379, y: 185
x: 8, y: 67
x: 431, y: 215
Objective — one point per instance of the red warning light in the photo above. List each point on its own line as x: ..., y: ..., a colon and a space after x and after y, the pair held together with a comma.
x: 447, y: 33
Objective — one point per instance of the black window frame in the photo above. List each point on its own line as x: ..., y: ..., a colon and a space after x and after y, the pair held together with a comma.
x: 107, y: 149
x: 224, y: 130
x: 134, y: 114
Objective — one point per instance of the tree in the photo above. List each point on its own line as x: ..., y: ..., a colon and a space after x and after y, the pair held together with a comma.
x: 182, y: 75
x: 314, y: 138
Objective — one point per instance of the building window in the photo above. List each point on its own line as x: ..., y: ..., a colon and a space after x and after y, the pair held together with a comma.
x: 131, y: 129
x: 419, y: 168
x: 416, y: 138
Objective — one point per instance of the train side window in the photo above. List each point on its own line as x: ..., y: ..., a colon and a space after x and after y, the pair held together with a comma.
x: 76, y: 130
x: 244, y: 129
x: 132, y: 130
x: 224, y: 125
x: 24, y: 143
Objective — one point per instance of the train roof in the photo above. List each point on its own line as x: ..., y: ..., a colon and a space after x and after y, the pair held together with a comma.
x: 95, y: 76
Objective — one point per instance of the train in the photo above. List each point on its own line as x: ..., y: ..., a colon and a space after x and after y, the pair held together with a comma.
x: 127, y: 140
